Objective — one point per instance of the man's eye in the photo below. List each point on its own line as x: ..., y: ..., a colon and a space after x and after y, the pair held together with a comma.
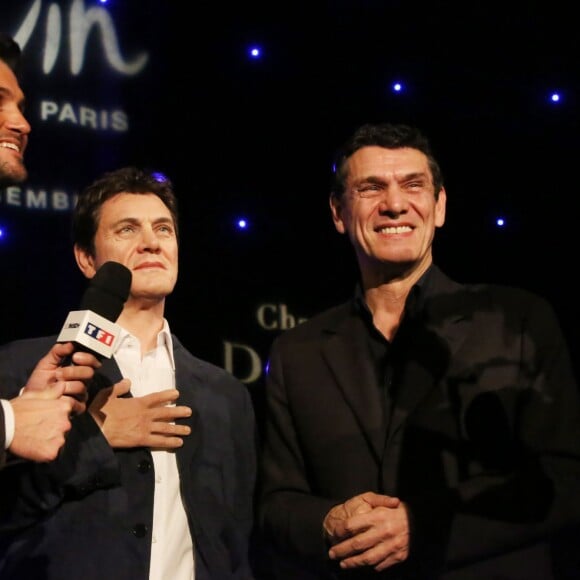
x: 369, y: 190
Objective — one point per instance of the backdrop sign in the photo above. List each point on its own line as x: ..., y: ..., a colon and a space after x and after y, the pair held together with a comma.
x: 84, y: 65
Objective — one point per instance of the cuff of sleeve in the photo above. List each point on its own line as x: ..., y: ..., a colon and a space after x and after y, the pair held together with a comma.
x: 9, y: 423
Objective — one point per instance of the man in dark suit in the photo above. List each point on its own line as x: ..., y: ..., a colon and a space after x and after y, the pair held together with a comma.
x: 153, y: 484
x: 425, y: 429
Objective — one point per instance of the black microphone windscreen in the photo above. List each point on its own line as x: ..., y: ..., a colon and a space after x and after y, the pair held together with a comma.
x: 108, y: 291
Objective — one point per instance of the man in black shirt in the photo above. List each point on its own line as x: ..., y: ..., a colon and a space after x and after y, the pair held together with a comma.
x: 426, y: 429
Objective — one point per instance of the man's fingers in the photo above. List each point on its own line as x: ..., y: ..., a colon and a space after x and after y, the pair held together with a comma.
x: 53, y: 391
x: 72, y: 395
x: 76, y: 389
x: 77, y: 407
x: 164, y: 428
x: 161, y: 398
x: 380, y: 500
x: 57, y: 353
x: 74, y: 373
x: 170, y: 413
x: 164, y: 442
x: 86, y: 359
x: 122, y: 387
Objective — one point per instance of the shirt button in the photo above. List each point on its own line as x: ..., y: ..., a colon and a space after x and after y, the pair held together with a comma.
x: 144, y: 466
x: 140, y: 530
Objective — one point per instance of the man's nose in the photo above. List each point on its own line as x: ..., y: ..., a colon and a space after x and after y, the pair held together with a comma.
x: 149, y: 240
x: 16, y: 121
x: 393, y: 201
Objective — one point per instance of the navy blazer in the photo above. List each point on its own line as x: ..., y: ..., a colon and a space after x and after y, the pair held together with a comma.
x: 483, y: 444
x: 88, y: 514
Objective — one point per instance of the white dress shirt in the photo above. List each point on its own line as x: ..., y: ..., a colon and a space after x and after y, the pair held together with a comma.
x: 172, y: 551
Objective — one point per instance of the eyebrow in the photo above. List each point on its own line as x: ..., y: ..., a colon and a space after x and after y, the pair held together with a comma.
x: 416, y: 175
x: 137, y: 221
x: 380, y: 180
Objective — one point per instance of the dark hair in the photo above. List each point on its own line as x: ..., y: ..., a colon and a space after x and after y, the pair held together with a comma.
x: 10, y: 52
x: 87, y: 211
x: 385, y: 135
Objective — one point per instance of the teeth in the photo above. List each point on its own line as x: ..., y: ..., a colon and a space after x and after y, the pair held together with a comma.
x: 7, y: 145
x: 396, y: 230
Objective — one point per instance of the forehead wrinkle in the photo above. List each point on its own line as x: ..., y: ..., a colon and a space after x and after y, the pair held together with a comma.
x: 381, y: 179
x: 125, y: 220
x: 137, y: 221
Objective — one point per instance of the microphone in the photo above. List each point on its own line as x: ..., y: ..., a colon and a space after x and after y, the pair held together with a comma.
x: 92, y: 328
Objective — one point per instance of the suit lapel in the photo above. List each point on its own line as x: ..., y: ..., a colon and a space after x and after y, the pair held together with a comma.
x: 186, y: 383
x: 431, y: 344
x: 346, y: 354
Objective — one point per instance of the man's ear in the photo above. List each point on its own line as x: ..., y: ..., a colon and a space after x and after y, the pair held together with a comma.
x: 85, y: 262
x: 440, y: 207
x: 335, y: 203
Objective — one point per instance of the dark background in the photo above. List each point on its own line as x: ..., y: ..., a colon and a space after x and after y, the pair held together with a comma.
x: 256, y: 137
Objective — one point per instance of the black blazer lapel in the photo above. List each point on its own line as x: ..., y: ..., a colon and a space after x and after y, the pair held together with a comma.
x: 432, y: 340
x: 347, y: 357
x: 185, y: 382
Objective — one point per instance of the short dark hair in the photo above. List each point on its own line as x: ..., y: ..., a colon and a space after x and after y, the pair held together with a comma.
x: 389, y: 136
x: 87, y: 210
x: 10, y: 52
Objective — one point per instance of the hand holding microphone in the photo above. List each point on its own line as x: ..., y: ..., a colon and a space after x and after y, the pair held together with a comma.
x: 52, y: 394
x: 56, y: 389
x: 88, y: 335
x: 69, y: 381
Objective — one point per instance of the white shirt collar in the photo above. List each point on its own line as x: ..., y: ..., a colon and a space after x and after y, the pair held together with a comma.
x: 163, y: 339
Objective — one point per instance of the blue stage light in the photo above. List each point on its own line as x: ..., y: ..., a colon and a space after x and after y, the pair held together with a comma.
x: 159, y: 176
x: 255, y: 52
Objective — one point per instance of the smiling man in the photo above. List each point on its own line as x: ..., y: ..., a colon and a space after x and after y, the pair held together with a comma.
x: 152, y: 484
x: 14, y: 128
x: 425, y: 429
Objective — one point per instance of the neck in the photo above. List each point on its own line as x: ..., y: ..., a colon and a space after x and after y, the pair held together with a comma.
x: 386, y: 297
x: 143, y: 320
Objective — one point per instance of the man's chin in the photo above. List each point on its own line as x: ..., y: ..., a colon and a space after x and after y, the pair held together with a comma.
x: 152, y: 294
x: 10, y: 175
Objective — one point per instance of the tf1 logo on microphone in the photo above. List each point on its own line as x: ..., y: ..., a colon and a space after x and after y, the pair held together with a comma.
x: 92, y: 331
x: 100, y: 334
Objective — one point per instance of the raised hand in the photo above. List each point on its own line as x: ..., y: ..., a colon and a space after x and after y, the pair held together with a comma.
x: 41, y: 422
x: 146, y: 421
x: 74, y: 377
